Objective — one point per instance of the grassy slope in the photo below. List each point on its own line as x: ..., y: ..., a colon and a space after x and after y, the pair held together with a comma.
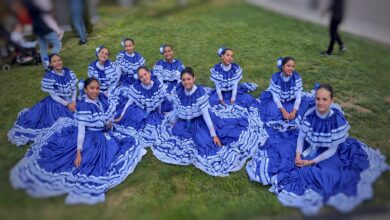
x: 258, y: 37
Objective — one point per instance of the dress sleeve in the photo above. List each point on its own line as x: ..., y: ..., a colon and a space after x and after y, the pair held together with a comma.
x: 209, y: 123
x: 300, y: 141
x: 80, y: 135
x: 58, y: 99
x: 129, y: 102
x: 276, y: 100
x: 326, y: 154
x: 219, y: 93
x: 234, y: 92
x: 298, y: 98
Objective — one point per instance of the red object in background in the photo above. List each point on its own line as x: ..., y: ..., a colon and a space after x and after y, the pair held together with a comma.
x: 23, y: 16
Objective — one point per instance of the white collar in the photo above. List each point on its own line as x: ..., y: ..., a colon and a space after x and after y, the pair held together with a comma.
x: 194, y: 87
x: 148, y: 86
x: 100, y: 66
x: 226, y: 68
x: 325, y: 115
x: 284, y: 78
x: 130, y: 55
x: 60, y: 74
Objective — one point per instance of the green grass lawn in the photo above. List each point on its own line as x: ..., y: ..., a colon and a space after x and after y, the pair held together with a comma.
x: 360, y: 77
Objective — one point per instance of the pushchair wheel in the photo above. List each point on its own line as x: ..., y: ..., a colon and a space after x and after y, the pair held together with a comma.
x: 6, y: 67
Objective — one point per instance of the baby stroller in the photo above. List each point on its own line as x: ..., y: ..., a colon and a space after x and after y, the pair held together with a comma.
x: 13, y: 50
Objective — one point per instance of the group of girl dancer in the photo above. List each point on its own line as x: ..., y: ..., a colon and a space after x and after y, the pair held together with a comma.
x: 296, y: 141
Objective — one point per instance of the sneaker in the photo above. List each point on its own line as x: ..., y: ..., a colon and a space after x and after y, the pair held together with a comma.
x: 61, y: 35
x: 343, y: 49
x: 81, y: 42
x: 325, y: 53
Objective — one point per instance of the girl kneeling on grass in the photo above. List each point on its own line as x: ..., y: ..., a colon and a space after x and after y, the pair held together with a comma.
x: 226, y: 75
x: 128, y: 62
x: 60, y: 83
x: 104, y: 70
x: 142, y: 111
x: 320, y: 165
x: 168, y: 71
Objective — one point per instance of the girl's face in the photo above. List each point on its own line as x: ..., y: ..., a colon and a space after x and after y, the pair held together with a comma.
x: 288, y: 68
x: 56, y: 62
x: 323, y: 100
x: 92, y: 90
x: 103, y: 55
x: 129, y: 47
x: 168, y: 53
x: 227, y: 57
x: 188, y: 81
x: 144, y: 76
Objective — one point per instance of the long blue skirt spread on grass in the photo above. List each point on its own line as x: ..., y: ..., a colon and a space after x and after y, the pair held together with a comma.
x: 30, y: 122
x: 144, y: 123
x: 189, y: 141
x: 342, y: 181
x: 48, y: 167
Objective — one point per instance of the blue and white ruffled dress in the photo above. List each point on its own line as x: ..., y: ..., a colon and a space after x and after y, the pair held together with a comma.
x: 343, y: 181
x: 30, y: 122
x: 286, y: 92
x: 107, y: 158
x: 226, y: 78
x: 169, y: 75
x: 128, y: 64
x: 107, y: 76
x: 144, y: 114
x: 188, y: 141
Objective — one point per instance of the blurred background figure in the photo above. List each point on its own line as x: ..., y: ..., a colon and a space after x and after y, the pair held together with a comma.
x: 16, y: 37
x: 45, y: 27
x: 77, y: 8
x: 336, y: 8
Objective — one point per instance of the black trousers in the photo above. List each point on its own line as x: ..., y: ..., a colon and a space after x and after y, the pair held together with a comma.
x: 334, y: 36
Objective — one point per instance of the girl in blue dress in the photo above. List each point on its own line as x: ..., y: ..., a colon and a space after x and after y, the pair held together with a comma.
x: 60, y: 83
x: 128, y: 62
x: 284, y: 100
x: 226, y: 75
x: 104, y: 70
x: 168, y: 71
x: 213, y: 139
x: 142, y: 111
x: 82, y: 158
x: 321, y: 165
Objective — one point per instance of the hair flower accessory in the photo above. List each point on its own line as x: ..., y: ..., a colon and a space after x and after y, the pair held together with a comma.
x: 221, y: 50
x: 279, y: 63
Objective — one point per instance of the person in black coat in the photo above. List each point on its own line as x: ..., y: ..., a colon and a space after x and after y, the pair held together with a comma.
x: 337, y: 10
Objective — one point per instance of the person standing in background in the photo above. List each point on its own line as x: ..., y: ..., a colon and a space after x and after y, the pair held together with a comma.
x: 337, y: 10
x: 77, y: 8
x: 45, y: 27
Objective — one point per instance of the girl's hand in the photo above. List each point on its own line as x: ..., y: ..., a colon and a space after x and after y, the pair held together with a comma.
x: 222, y: 102
x: 118, y: 119
x: 217, y: 141
x: 285, y: 114
x: 108, y: 125
x: 298, y: 160
x: 306, y: 163
x: 232, y: 102
x: 293, y: 114
x: 77, y: 161
x: 71, y: 106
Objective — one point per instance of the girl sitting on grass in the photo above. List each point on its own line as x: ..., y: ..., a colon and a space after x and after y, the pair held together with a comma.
x: 60, y: 83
